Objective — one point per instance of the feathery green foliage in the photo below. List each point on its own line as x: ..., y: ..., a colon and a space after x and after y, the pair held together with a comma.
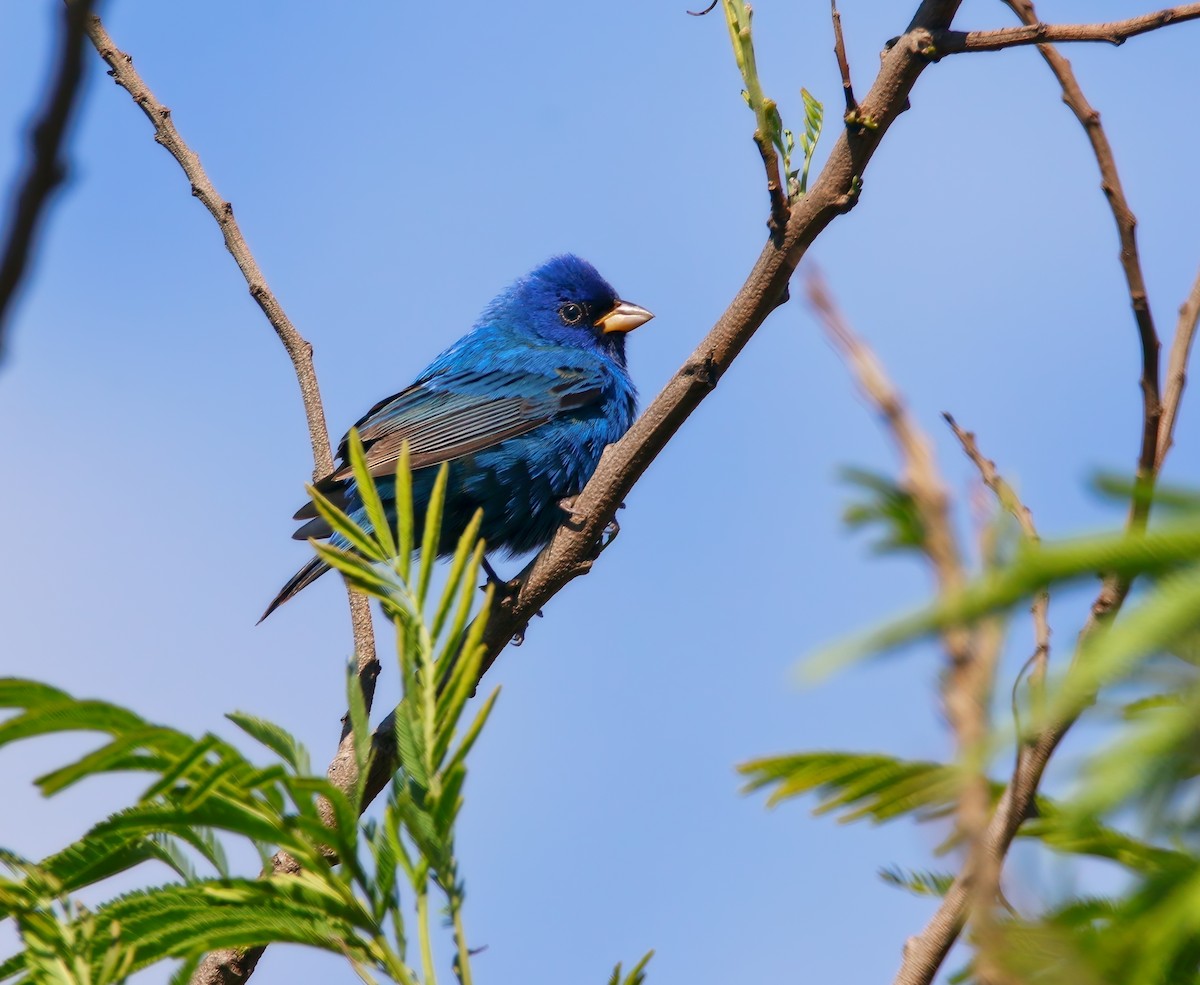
x: 919, y: 883
x: 1146, y: 777
x: 637, y: 974
x: 356, y: 885
x: 348, y: 897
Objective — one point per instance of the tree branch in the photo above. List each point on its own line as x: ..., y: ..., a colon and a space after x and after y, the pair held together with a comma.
x: 1114, y: 590
x: 1011, y: 502
x: 1177, y: 361
x: 46, y: 169
x: 839, y: 51
x: 1035, y: 32
x: 298, y: 349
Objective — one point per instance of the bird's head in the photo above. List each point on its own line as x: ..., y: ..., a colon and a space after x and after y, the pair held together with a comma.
x: 566, y: 301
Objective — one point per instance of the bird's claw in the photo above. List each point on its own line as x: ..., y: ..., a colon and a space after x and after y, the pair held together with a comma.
x: 574, y: 520
x: 506, y: 590
x: 609, y: 533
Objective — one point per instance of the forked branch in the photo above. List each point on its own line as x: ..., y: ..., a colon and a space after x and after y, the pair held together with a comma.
x: 1035, y: 32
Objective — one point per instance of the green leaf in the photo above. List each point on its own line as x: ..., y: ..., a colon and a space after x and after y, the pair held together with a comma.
x: 1167, y: 614
x: 1035, y: 566
x: 887, y: 506
x: 917, y: 882
x: 859, y: 785
x: 362, y: 542
x: 464, y: 569
x: 814, y: 116
x: 360, y: 572
x: 431, y: 534
x: 472, y: 733
x: 381, y: 528
x: 637, y: 974
x: 404, y: 513
x: 276, y: 738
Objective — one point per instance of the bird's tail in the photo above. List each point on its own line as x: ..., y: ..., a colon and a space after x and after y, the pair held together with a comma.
x: 301, y: 579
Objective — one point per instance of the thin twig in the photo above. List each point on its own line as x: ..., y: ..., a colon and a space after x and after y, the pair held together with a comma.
x: 46, y: 169
x: 1011, y: 502
x: 839, y: 50
x: 300, y: 351
x: 1035, y: 32
x: 1177, y: 363
x: 1114, y: 589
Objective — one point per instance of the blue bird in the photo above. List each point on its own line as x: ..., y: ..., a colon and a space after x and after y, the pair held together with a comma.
x: 521, y: 407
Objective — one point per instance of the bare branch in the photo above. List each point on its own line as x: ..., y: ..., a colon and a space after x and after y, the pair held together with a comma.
x: 45, y: 170
x: 1114, y: 590
x: 1035, y: 32
x: 1177, y: 362
x: 1011, y: 502
x: 126, y: 76
x: 839, y: 51
x: 298, y: 349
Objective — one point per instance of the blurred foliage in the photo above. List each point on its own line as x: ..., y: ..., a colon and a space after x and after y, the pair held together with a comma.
x: 1134, y: 801
x: 360, y: 884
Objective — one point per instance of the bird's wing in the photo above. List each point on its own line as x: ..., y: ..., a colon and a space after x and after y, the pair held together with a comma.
x: 453, y: 414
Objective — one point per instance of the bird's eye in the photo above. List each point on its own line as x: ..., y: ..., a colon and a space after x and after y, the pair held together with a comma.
x: 571, y: 313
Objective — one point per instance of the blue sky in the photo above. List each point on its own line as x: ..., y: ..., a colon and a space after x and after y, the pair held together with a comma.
x: 394, y: 166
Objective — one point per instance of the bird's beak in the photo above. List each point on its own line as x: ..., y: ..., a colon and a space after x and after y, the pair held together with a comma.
x: 624, y: 317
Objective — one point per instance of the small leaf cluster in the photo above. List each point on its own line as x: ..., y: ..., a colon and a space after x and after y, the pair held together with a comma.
x: 770, y: 131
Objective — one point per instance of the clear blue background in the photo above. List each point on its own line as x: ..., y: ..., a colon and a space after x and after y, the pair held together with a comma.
x: 393, y: 166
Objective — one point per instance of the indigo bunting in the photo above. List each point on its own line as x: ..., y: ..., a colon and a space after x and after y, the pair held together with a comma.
x: 521, y: 407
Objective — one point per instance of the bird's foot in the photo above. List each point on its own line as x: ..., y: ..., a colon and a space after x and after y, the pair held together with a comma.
x: 574, y: 520
x: 502, y: 586
x: 505, y: 590
x: 609, y: 534
x: 519, y: 636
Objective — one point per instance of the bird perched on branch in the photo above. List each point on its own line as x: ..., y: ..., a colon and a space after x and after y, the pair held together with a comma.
x: 521, y: 407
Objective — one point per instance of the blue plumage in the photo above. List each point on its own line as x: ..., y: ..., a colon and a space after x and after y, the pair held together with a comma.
x: 521, y: 407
